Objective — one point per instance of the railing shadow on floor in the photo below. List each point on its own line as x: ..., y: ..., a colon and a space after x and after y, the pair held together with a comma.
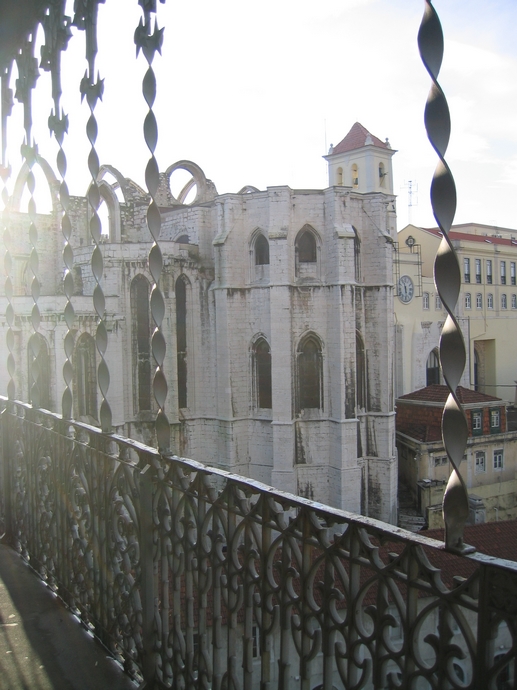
x: 42, y: 646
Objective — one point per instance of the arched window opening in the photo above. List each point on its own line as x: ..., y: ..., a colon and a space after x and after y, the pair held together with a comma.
x: 425, y: 300
x: 38, y: 371
x: 181, y: 340
x: 141, y: 342
x: 42, y: 193
x: 355, y: 176
x: 339, y: 177
x: 357, y: 256
x: 382, y: 175
x: 468, y: 300
x: 504, y: 302
x: 182, y: 239
x: 433, y: 368
x: 85, y: 377
x: 306, y: 247
x: 360, y: 373
x: 105, y: 218
x: 262, y: 374
x: 310, y: 374
x: 261, y: 251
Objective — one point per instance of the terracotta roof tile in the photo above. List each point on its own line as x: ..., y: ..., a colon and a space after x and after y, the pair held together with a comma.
x: 356, y: 139
x: 470, y: 237
x: 439, y: 394
x: 421, y: 432
x: 498, y: 539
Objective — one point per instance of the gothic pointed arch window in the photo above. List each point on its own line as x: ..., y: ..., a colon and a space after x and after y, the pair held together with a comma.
x: 141, y: 337
x: 306, y: 253
x: 181, y: 339
x: 433, y: 368
x: 85, y: 377
x: 360, y: 372
x: 261, y: 251
x: 306, y: 246
x: 261, y: 355
x: 310, y: 373
x: 38, y: 371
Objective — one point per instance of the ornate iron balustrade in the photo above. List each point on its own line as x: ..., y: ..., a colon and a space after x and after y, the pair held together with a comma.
x: 196, y: 578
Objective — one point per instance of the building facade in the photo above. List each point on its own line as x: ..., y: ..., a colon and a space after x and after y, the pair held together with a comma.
x: 486, y: 311
x: 278, y: 312
x: 489, y: 467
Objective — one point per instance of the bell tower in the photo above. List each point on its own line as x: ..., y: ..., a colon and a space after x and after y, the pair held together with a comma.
x: 361, y: 161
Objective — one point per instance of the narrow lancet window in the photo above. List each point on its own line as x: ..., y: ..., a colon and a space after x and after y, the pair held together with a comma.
x: 86, y: 377
x: 262, y: 373
x: 310, y: 379
x: 261, y: 251
x: 181, y: 340
x: 141, y: 342
x: 39, y: 371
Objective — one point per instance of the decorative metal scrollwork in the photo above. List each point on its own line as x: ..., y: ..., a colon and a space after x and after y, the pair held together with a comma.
x: 194, y: 577
x: 448, y: 279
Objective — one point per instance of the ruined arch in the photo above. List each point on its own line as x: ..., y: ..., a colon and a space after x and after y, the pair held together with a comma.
x: 21, y: 182
x: 205, y: 188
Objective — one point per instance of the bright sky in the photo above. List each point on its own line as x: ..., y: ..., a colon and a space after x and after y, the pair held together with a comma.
x: 256, y: 92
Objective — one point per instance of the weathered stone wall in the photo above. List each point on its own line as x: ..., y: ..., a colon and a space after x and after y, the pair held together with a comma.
x: 338, y: 453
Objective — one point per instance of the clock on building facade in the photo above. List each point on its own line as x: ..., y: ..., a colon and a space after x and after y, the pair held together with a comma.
x: 406, y: 289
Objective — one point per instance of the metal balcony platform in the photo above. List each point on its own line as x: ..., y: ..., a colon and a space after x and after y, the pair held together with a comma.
x: 42, y: 645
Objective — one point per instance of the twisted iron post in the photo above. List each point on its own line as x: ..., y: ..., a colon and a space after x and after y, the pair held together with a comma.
x: 447, y: 278
x: 28, y: 74
x: 91, y: 88
x: 150, y: 42
x: 5, y: 173
x: 57, y: 34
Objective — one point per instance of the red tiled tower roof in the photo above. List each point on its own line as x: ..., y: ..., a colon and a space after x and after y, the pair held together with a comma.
x: 356, y: 139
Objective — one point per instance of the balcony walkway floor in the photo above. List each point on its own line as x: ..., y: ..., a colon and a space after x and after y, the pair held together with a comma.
x: 42, y: 646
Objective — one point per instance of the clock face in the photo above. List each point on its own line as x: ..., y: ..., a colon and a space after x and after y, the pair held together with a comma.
x: 406, y: 289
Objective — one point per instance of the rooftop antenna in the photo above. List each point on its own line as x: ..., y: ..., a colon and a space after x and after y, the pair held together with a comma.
x: 412, y: 198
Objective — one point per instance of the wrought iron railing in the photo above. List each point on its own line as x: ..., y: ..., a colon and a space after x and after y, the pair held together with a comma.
x: 197, y: 578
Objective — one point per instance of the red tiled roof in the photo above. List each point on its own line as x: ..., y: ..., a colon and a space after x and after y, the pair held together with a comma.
x: 439, y: 394
x: 356, y: 139
x: 469, y: 237
x: 498, y: 539
x: 421, y: 432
